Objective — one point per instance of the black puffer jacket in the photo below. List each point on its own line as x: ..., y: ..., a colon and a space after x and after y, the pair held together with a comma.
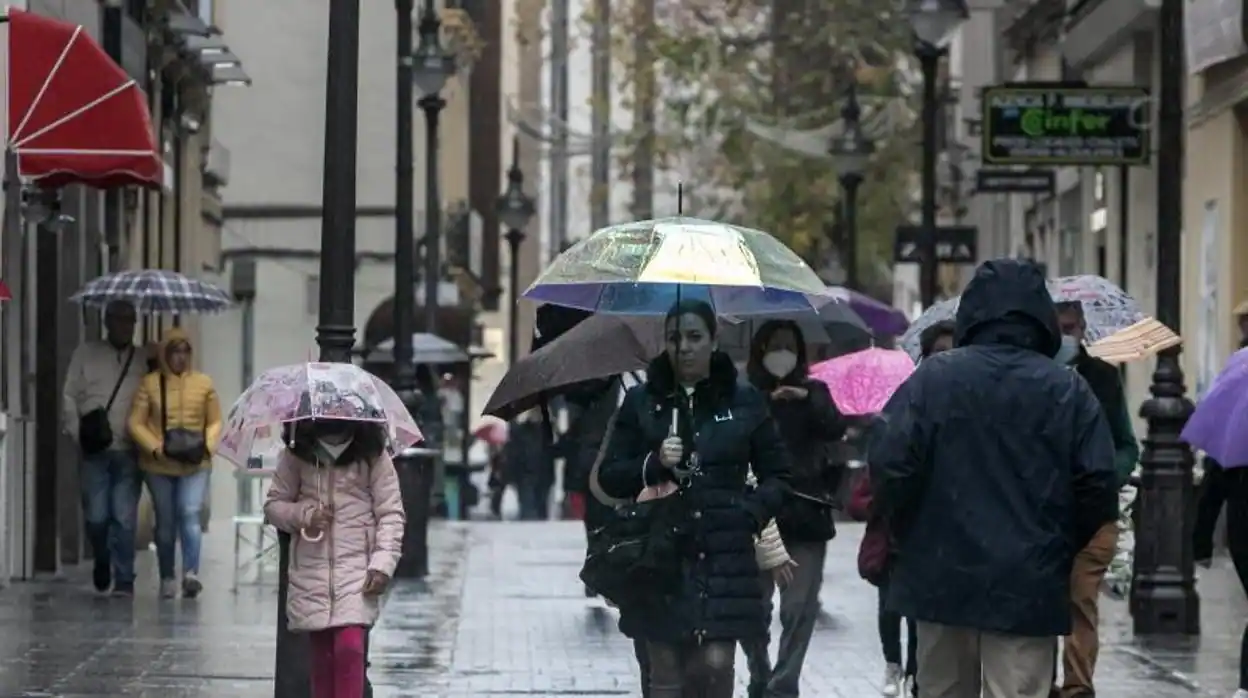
x: 993, y: 465
x: 730, y: 429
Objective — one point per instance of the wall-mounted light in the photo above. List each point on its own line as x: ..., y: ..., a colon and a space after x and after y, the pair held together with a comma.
x: 219, y: 58
x: 230, y: 76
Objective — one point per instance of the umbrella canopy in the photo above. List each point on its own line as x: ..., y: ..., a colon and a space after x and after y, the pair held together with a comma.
x: 940, y: 311
x: 74, y: 115
x: 154, y: 291
x: 426, y: 349
x: 862, y: 383
x: 602, y: 346
x: 1107, y: 309
x: 1217, y: 425
x: 643, y: 268
x: 882, y: 318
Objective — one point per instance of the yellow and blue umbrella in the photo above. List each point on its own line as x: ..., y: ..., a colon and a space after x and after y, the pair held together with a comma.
x: 643, y: 268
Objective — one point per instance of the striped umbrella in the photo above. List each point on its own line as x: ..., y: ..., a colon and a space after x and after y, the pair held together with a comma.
x: 154, y: 291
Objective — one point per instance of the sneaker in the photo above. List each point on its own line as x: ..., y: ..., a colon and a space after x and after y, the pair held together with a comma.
x: 910, y: 687
x: 191, y: 586
x: 168, y: 588
x: 1241, y: 693
x: 123, y: 590
x: 892, y: 680
x: 102, y: 575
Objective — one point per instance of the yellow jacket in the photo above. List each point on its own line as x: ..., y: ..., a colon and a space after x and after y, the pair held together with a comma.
x: 192, y: 404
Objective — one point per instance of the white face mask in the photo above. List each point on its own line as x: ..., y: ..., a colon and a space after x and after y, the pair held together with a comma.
x: 335, y: 449
x: 780, y: 363
x: 1069, y: 350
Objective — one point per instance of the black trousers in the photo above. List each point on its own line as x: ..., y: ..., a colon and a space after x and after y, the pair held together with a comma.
x: 890, y: 636
x: 1236, y: 484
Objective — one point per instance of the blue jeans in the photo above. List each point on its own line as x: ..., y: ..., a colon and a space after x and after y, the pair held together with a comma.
x: 110, y: 500
x: 178, y: 500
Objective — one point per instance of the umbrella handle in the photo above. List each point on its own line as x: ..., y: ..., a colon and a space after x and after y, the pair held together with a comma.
x: 320, y: 535
x: 675, y: 430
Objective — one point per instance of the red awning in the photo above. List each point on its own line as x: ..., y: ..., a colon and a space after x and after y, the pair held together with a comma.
x: 74, y: 114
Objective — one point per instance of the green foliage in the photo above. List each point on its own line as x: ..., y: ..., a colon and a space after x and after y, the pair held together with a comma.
x: 721, y: 63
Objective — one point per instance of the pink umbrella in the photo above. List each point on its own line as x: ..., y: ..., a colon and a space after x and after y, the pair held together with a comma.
x: 862, y: 382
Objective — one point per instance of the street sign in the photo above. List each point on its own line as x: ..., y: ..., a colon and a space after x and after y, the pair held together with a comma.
x: 1046, y: 124
x: 955, y: 244
x: 1015, y: 181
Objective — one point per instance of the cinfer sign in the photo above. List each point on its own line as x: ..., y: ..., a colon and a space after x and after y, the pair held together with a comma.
x: 1053, y: 125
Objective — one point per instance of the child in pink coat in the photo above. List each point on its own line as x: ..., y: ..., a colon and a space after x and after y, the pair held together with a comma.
x: 336, y: 492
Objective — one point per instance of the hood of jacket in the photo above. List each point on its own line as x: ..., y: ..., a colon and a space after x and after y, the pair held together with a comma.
x: 1008, y: 302
x: 720, y: 384
x: 172, y: 336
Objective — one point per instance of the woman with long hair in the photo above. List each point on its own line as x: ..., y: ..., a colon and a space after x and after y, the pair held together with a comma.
x: 808, y: 421
x: 693, y: 432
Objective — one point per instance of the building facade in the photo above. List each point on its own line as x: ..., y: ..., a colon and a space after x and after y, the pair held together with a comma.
x: 172, y: 228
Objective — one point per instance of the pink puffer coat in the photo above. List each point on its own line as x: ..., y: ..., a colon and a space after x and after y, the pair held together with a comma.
x: 327, y: 576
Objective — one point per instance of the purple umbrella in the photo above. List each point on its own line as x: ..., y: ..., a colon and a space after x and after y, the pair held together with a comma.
x: 882, y: 318
x: 1217, y: 427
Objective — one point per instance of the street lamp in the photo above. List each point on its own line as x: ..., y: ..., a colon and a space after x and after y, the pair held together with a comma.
x: 404, y: 379
x: 933, y: 22
x: 1164, y: 599
x: 851, y: 154
x: 515, y: 210
x: 335, y: 330
x: 432, y: 67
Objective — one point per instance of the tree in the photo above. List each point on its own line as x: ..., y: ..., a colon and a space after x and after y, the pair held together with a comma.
x: 716, y: 66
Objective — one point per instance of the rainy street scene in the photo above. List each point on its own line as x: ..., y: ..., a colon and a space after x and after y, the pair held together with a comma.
x: 603, y: 348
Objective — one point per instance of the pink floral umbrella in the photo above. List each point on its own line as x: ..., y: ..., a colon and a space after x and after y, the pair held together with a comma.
x: 862, y: 382
x: 317, y: 390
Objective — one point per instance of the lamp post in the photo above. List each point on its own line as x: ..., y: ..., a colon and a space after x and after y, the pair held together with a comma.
x: 335, y: 331
x: 515, y: 210
x: 404, y: 379
x: 851, y: 153
x: 933, y: 22
x: 1164, y: 596
x: 432, y: 67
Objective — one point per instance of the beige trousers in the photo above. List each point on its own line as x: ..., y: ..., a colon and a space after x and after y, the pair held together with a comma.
x: 963, y: 662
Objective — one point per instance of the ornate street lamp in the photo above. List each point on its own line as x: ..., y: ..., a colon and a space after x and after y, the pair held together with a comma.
x: 851, y: 153
x: 515, y: 210
x: 933, y: 22
x: 432, y: 66
x: 1163, y: 597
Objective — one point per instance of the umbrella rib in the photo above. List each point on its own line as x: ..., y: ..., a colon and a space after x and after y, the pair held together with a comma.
x: 77, y: 112
x: 56, y: 67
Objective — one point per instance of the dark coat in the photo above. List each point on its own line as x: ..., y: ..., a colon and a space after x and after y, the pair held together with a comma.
x: 993, y: 466
x: 731, y: 430
x: 526, y: 455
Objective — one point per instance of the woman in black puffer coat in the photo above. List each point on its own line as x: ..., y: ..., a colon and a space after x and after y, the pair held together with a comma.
x: 723, y: 428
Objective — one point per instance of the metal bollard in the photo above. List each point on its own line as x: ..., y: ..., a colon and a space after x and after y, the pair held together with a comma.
x: 415, y: 467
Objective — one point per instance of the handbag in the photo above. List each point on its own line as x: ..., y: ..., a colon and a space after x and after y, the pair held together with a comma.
x: 873, y: 553
x: 807, y: 518
x: 635, y: 555
x: 94, y: 433
x: 185, y: 446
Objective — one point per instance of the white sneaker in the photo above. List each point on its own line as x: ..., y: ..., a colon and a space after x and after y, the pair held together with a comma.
x: 909, y: 688
x: 1241, y: 693
x: 169, y: 589
x: 892, y: 680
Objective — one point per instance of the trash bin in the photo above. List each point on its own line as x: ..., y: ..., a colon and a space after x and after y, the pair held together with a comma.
x: 416, y: 468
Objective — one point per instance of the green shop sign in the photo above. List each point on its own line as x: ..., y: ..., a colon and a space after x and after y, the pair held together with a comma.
x: 1053, y: 125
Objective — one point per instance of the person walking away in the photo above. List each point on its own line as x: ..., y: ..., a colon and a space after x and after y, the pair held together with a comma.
x: 1080, y: 647
x: 175, y: 421
x: 694, y: 428
x: 875, y: 555
x: 336, y: 492
x: 530, y: 465
x: 992, y: 466
x: 808, y: 421
x: 100, y: 383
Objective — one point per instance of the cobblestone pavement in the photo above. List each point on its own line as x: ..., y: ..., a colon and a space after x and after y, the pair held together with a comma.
x: 501, y: 615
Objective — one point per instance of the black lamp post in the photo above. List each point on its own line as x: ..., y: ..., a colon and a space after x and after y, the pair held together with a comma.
x: 1164, y: 599
x: 933, y: 21
x: 852, y: 154
x: 403, y: 306
x: 515, y: 210
x: 335, y: 331
x: 432, y: 67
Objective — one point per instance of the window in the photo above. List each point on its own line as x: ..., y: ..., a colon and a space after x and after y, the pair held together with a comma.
x: 312, y: 296
x: 204, y: 12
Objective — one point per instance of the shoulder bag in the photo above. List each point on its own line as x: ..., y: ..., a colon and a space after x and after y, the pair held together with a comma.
x: 94, y: 433
x: 185, y: 446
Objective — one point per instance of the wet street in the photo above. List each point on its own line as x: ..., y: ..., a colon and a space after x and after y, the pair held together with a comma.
x: 501, y: 615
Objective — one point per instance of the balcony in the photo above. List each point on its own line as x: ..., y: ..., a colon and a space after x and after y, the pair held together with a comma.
x: 216, y: 168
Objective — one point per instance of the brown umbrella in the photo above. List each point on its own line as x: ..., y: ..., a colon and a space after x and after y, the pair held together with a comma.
x: 601, y: 346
